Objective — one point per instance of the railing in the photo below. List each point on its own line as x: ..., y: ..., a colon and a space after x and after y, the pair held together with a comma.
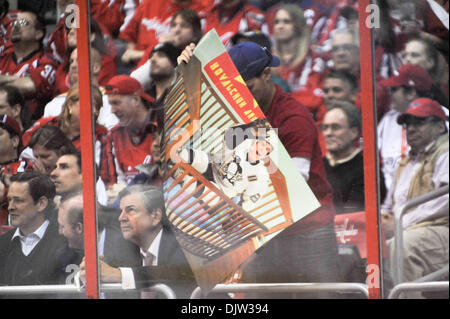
x: 73, y: 289
x: 398, y: 229
x: 285, y: 287
x: 418, y: 286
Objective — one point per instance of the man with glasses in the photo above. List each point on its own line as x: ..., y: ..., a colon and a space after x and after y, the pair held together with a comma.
x: 345, y: 57
x: 27, y: 67
x: 344, y: 163
x: 426, y: 168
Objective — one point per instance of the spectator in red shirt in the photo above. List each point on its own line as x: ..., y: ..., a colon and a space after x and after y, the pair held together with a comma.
x: 229, y: 17
x: 101, y: 43
x: 129, y: 143
x: 150, y: 21
x: 27, y: 66
x: 307, y: 250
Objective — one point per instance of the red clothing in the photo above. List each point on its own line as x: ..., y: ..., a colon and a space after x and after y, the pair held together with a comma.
x: 11, y: 169
x: 299, y: 135
x: 57, y: 42
x: 108, y: 13
x: 40, y: 67
x: 100, y: 131
x: 152, y: 18
x: 119, y: 156
x: 247, y: 17
x: 108, y: 69
x: 5, y: 30
x: 26, y: 136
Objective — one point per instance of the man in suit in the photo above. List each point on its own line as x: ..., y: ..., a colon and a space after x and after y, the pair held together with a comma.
x: 33, y: 253
x: 143, y: 222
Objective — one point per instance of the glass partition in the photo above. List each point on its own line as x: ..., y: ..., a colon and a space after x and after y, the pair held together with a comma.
x: 266, y: 154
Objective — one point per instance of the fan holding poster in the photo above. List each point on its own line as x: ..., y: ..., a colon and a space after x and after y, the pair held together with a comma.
x: 226, y: 197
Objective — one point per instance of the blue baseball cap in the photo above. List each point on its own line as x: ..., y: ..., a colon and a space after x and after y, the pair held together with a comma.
x: 251, y: 59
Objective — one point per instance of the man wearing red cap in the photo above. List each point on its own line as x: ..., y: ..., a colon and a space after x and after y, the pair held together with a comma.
x: 10, y: 147
x: 411, y: 82
x: 129, y: 142
x: 425, y: 227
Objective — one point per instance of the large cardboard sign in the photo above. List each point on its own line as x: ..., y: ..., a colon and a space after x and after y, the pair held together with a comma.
x: 229, y: 184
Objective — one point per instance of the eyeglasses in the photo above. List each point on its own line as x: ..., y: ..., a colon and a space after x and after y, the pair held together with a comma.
x: 20, y: 23
x: 344, y: 47
x: 334, y: 127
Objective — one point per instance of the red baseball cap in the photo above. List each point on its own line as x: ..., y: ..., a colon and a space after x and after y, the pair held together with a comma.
x: 10, y: 125
x: 410, y: 75
x: 423, y: 107
x: 126, y: 85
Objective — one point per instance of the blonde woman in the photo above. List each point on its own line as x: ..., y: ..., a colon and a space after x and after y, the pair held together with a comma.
x: 69, y: 120
x: 292, y: 39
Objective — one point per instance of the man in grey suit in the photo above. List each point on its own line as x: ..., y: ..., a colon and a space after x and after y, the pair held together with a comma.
x: 143, y: 222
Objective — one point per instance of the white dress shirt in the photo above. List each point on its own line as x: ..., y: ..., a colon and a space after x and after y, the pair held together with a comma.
x: 127, y: 273
x: 30, y: 241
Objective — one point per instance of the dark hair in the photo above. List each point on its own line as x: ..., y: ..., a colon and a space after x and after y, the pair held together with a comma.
x: 75, y: 153
x: 352, y: 113
x: 39, y: 185
x: 345, y: 76
x: 193, y: 19
x: 14, y: 97
x: 152, y: 198
x: 52, y: 138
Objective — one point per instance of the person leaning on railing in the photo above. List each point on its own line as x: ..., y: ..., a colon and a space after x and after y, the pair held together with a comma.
x: 425, y: 228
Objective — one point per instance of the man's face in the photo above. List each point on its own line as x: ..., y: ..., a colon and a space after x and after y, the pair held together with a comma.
x: 415, y: 53
x: 337, y: 90
x: 67, y: 176
x: 5, y: 108
x: 72, y: 38
x: 420, y: 132
x: 260, y: 88
x: 181, y: 32
x: 73, y: 67
x: 399, y: 98
x: 72, y: 234
x: 161, y: 68
x: 345, y: 53
x: 23, y: 211
x: 156, y: 147
x: 124, y: 107
x: 135, y: 220
x: 8, y: 145
x: 48, y: 158
x: 259, y: 150
x: 339, y: 137
x: 283, y: 27
x: 24, y: 28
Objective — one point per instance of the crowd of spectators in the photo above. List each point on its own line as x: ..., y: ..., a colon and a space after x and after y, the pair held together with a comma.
x: 134, y: 50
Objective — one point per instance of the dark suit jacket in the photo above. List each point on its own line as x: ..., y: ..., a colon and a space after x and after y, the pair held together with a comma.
x: 173, y: 268
x: 119, y: 252
x: 45, y: 265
